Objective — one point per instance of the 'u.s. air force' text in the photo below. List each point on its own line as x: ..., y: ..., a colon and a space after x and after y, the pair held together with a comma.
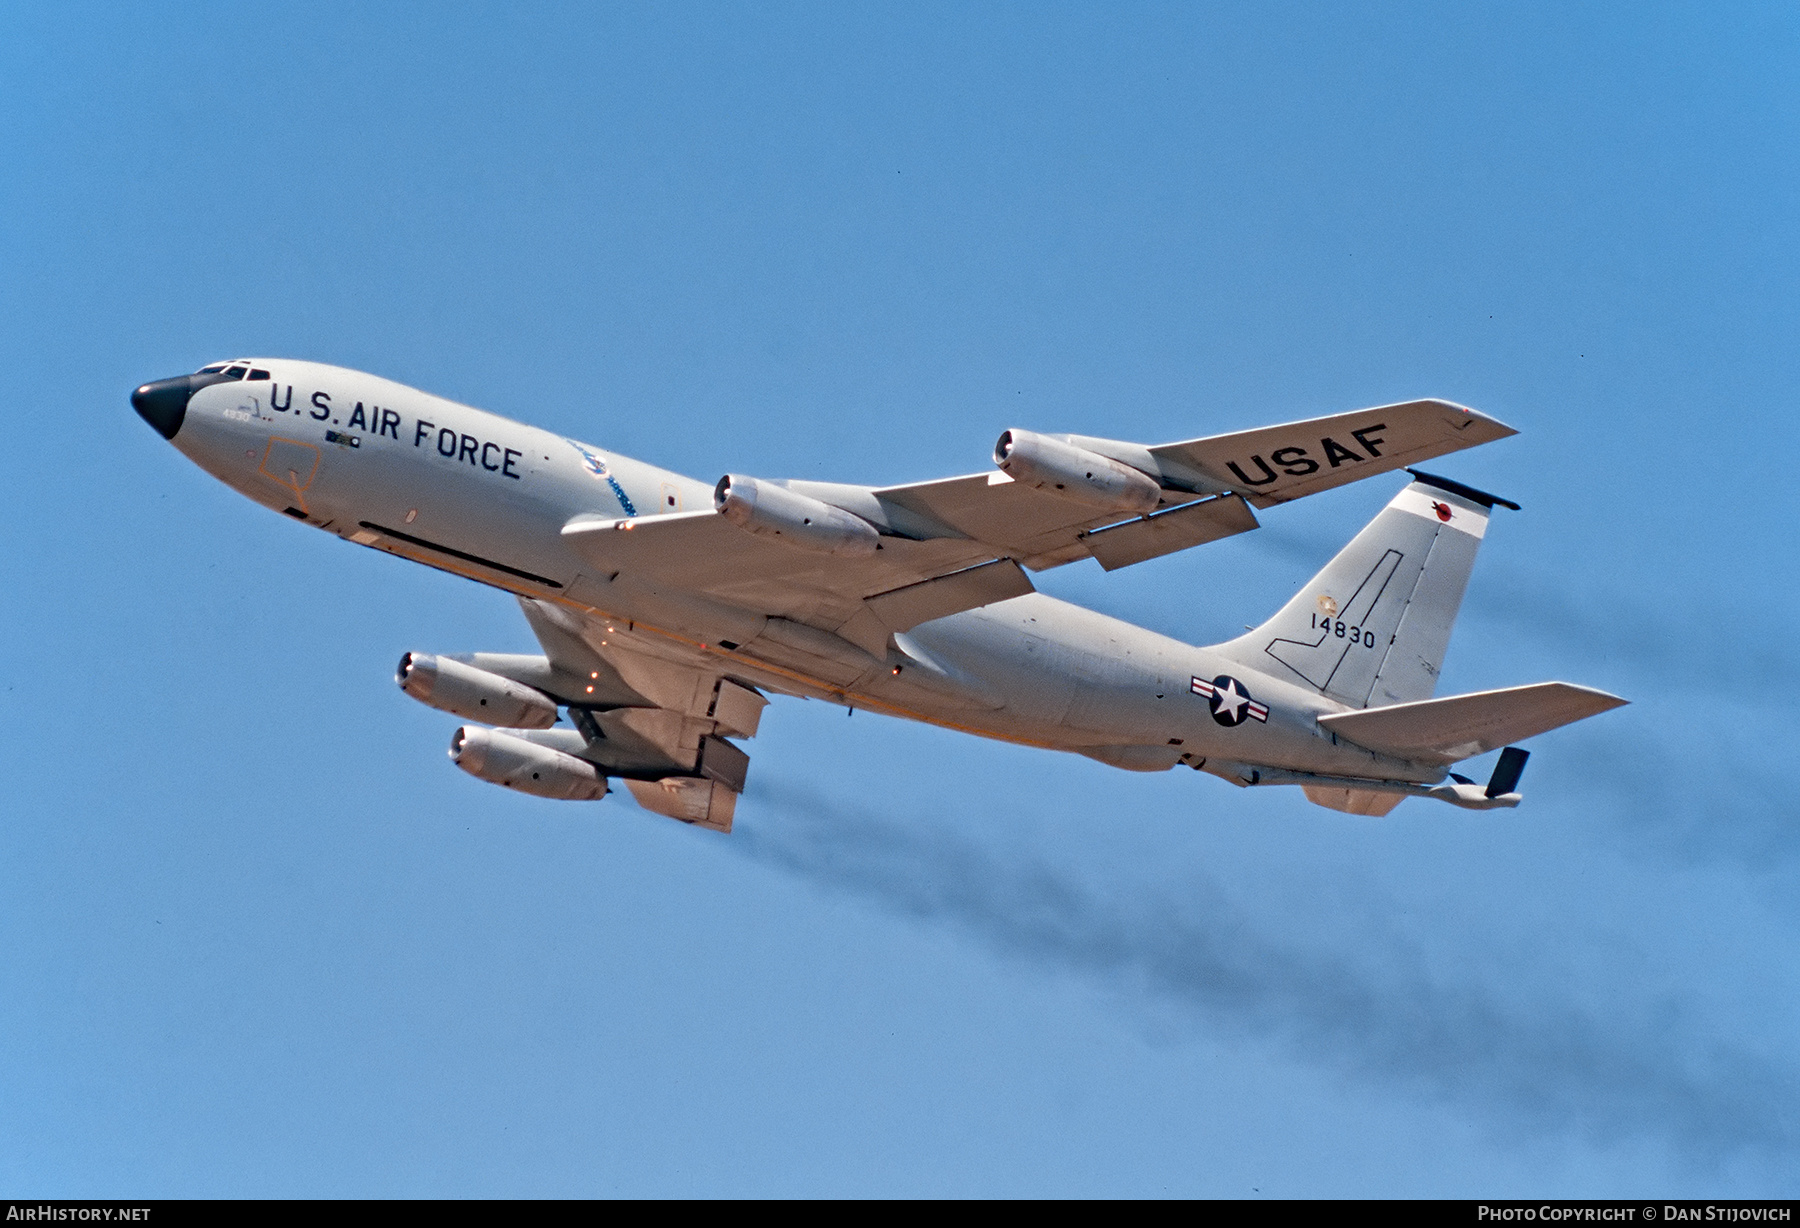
x: 377, y: 421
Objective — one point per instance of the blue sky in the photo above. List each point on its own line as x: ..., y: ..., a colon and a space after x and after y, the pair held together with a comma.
x: 257, y: 936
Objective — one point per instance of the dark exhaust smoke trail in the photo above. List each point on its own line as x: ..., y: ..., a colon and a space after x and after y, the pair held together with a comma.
x: 1527, y: 1063
x: 1593, y: 624
x: 1699, y: 796
x: 1707, y: 780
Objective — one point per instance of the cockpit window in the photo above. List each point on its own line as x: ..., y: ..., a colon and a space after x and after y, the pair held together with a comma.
x: 236, y: 372
x: 259, y: 374
x: 212, y: 370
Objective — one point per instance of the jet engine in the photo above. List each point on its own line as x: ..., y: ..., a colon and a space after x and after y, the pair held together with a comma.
x: 494, y: 756
x: 1075, y: 473
x: 463, y: 690
x: 774, y: 511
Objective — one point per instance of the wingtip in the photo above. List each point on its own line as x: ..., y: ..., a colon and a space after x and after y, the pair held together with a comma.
x: 1603, y: 701
x: 1492, y: 428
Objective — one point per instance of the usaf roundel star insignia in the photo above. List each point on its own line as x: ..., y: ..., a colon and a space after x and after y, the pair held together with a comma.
x: 1230, y: 702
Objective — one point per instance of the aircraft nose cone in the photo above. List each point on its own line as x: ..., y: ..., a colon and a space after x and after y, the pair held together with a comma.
x: 163, y: 403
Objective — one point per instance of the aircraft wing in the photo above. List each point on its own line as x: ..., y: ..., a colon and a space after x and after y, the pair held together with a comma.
x: 660, y: 723
x: 703, y: 553
x: 1275, y: 464
x: 1265, y: 466
x: 957, y: 543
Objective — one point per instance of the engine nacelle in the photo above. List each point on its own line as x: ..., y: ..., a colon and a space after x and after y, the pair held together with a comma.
x: 799, y: 520
x: 493, y: 756
x: 1075, y: 473
x: 451, y: 686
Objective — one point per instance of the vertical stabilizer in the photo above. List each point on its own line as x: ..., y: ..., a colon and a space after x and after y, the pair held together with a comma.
x: 1372, y: 627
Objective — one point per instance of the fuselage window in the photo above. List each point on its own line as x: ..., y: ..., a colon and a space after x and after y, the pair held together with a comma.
x: 259, y: 375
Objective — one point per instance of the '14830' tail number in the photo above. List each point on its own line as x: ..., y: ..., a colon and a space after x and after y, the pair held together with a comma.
x: 1343, y: 631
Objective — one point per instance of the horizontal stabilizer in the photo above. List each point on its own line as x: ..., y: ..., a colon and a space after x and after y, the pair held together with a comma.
x: 1461, y: 726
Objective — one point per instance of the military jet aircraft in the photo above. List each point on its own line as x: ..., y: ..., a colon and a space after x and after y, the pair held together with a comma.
x: 670, y: 609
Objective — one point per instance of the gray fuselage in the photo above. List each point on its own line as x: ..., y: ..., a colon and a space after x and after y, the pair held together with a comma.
x: 486, y: 497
